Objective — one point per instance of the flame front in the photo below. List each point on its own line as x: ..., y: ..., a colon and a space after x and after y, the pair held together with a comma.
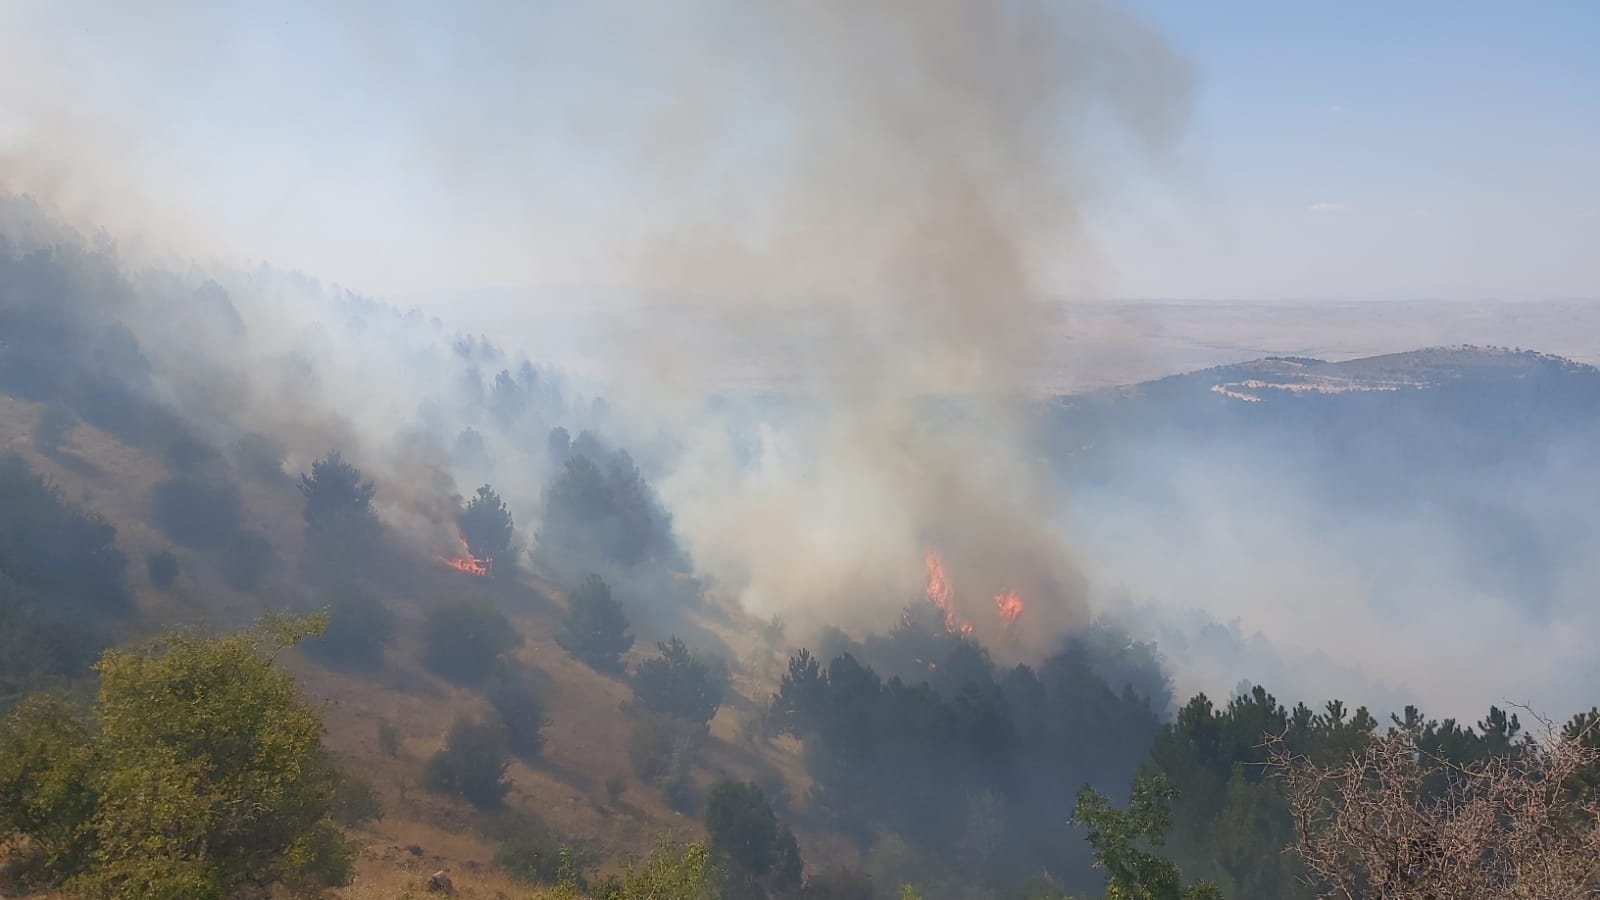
x: 941, y: 595
x: 468, y: 563
x: 1008, y: 603
x: 1010, y: 606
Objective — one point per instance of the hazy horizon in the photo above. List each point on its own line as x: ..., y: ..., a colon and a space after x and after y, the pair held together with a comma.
x: 1277, y: 153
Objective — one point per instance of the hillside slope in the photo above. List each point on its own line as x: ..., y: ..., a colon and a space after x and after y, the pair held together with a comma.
x: 582, y: 784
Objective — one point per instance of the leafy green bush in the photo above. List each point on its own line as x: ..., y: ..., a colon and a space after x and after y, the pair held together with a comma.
x: 472, y: 764
x: 1120, y: 840
x: 595, y: 629
x: 205, y: 772
x: 670, y: 872
x: 48, y: 766
x: 464, y: 641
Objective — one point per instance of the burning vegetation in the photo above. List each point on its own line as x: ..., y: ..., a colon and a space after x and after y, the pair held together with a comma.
x: 1008, y: 603
x: 466, y: 562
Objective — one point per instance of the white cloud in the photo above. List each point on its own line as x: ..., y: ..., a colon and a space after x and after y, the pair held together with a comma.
x: 1335, y: 110
x: 1328, y: 208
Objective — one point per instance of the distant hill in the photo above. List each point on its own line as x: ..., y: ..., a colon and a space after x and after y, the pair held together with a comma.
x: 1474, y: 405
x: 1433, y: 367
x: 1442, y: 487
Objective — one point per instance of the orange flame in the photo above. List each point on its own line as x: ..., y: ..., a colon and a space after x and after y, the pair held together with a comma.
x: 1010, y: 606
x: 468, y: 563
x: 1008, y: 603
x: 941, y: 595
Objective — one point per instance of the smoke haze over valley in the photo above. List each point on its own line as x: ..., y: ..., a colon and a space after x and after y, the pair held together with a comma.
x: 820, y: 310
x: 950, y: 389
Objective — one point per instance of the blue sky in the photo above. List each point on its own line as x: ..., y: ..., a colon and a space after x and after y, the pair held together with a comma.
x: 1352, y: 150
x: 1451, y: 145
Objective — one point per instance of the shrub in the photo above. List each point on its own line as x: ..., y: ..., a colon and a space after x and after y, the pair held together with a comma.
x: 670, y: 872
x: 204, y: 772
x: 338, y: 508
x: 679, y: 683
x: 465, y: 641
x: 487, y: 528
x: 66, y: 555
x: 1399, y: 818
x: 48, y: 766
x: 602, y: 508
x: 354, y: 801
x: 595, y: 630
x: 535, y: 853
x: 660, y: 741
x: 332, y: 487
x: 531, y: 859
x: 1120, y: 839
x: 472, y: 764
x: 758, y: 852
x: 359, y: 627
x: 511, y: 691
x: 616, y: 786
x: 162, y: 567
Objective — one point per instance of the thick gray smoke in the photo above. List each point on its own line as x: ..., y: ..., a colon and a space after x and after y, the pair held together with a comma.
x: 879, y: 193
x: 858, y: 207
x: 924, y: 171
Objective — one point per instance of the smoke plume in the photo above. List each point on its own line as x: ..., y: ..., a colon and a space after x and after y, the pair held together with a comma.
x: 874, y: 198
x: 924, y: 174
